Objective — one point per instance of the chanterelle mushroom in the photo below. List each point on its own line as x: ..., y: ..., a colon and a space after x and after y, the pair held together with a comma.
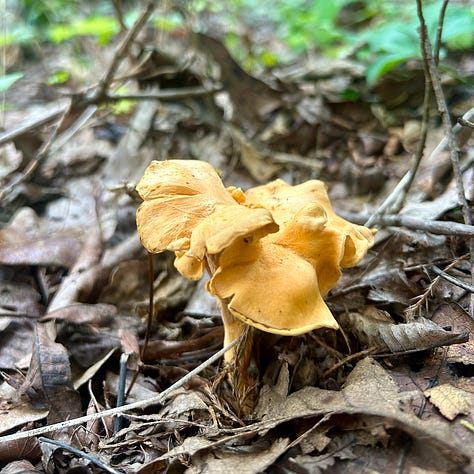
x: 272, y: 253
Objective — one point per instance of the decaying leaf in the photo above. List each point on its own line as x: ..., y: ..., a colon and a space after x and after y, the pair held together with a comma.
x: 252, y: 98
x: 15, y: 413
x: 369, y: 393
x: 19, y: 299
x: 255, y: 161
x: 28, y: 240
x: 98, y: 314
x: 252, y: 460
x: 52, y: 250
x: 375, y: 329
x: 451, y: 401
x: 48, y: 383
x: 15, y: 343
x: 92, y: 370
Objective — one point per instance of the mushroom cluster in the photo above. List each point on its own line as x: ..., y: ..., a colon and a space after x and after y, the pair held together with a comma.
x: 272, y: 252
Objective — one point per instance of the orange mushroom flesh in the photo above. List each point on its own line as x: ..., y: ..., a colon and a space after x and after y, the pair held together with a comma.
x: 272, y: 252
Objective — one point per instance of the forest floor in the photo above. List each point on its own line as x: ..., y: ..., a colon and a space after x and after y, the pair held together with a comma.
x: 391, y: 391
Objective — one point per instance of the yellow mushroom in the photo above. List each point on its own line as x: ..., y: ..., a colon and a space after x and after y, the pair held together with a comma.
x: 272, y: 252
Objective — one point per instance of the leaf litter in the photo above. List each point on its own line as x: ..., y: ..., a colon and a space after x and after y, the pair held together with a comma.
x: 390, y: 388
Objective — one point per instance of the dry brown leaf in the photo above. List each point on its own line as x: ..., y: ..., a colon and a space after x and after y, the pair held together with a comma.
x: 59, y: 251
x: 252, y: 99
x: 159, y: 349
x: 253, y: 462
x: 18, y: 412
x: 22, y: 449
x: 182, y: 403
x: 375, y: 328
x: 98, y: 314
x: 450, y: 401
x: 369, y: 392
x: 19, y: 299
x: 92, y: 370
x: 255, y: 161
x: 15, y: 343
x: 48, y: 381
x: 30, y: 240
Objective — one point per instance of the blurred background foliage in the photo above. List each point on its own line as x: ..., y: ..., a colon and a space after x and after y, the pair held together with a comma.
x: 260, y: 33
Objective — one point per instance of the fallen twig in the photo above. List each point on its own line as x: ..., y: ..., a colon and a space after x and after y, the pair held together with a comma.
x: 122, y: 409
x: 79, y: 102
x: 454, y: 152
x: 410, y: 311
x: 395, y: 220
x: 40, y: 156
x: 453, y: 280
x: 100, y: 91
x: 31, y: 124
x: 168, y: 94
x: 81, y: 454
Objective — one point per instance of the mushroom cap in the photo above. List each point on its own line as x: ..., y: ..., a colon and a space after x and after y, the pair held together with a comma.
x: 310, y: 228
x: 221, y: 230
x: 273, y: 251
x: 271, y: 288
x: 177, y: 195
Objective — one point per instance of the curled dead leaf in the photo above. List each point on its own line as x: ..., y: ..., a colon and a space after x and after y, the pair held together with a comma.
x: 450, y: 401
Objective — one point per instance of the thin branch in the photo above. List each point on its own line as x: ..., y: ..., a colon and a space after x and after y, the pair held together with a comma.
x: 453, y: 280
x: 122, y: 51
x: 465, y: 123
x: 40, y: 156
x: 453, y: 147
x: 439, y: 31
x: 396, y: 198
x: 81, y: 454
x: 151, y: 304
x: 444, y: 112
x: 123, y: 409
x: 396, y: 220
x: 422, y: 299
x: 456, y: 129
x: 81, y: 102
x: 30, y: 125
x: 168, y: 94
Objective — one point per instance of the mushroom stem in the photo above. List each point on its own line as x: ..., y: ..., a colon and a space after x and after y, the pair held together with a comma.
x: 233, y: 327
x: 238, y: 358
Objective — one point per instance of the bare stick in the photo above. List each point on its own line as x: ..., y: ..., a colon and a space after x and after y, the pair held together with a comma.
x: 397, y: 197
x: 453, y: 147
x: 80, y: 102
x: 122, y: 51
x: 439, y: 30
x: 40, y: 156
x: 81, y: 454
x: 453, y: 280
x: 397, y: 220
x: 456, y: 129
x: 123, y: 409
x: 30, y: 125
x: 169, y: 94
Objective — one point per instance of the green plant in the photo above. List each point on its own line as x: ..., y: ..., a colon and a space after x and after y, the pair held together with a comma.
x: 398, y: 40
x: 381, y: 35
x: 8, y: 80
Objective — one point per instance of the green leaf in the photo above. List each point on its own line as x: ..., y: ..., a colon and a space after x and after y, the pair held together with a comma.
x: 59, y: 77
x: 395, y: 38
x: 383, y: 64
x: 101, y: 27
x: 7, y: 81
